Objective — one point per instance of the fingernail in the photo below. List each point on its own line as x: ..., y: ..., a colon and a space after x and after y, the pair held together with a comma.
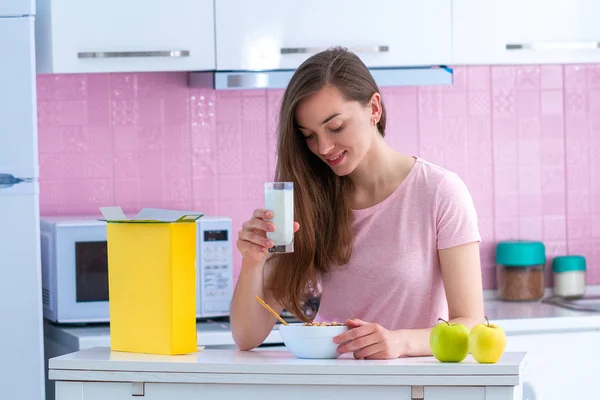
x: 269, y: 214
x: 269, y: 244
x: 272, y: 228
x: 336, y: 340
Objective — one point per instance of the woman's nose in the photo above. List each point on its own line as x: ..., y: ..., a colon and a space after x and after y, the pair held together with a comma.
x: 325, y: 146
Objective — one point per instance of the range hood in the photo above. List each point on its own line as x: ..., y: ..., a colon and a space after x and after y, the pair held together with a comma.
x: 278, y: 79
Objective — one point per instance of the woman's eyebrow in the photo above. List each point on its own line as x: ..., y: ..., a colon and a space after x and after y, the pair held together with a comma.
x: 326, y: 120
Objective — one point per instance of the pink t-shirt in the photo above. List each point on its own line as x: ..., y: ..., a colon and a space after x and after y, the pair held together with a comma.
x: 393, y: 277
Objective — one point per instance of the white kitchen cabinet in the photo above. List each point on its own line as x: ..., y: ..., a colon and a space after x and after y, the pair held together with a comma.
x: 118, y: 36
x: 525, y: 32
x: 185, y: 391
x: 273, y: 34
x: 98, y: 373
x: 561, y: 365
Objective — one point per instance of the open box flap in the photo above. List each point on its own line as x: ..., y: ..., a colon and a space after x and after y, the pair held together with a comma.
x: 116, y: 214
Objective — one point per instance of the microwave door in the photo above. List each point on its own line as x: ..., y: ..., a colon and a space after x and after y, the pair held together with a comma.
x: 81, y: 273
x: 91, y: 271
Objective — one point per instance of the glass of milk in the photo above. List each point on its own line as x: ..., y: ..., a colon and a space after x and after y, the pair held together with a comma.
x: 279, y: 199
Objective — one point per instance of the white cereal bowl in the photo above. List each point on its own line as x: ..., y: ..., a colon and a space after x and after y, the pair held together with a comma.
x: 311, y: 341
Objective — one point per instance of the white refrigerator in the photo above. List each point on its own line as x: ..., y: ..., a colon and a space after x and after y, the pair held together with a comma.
x: 21, y: 350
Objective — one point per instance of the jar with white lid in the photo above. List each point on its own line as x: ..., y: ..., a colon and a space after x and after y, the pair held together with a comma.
x: 569, y: 276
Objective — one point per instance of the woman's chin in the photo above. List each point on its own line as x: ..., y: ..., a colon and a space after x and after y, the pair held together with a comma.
x: 342, y: 170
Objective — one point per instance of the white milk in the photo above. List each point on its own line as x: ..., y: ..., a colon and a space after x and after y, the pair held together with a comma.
x: 281, y: 203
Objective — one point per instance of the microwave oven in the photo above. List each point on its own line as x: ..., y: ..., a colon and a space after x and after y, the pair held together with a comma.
x: 75, y: 269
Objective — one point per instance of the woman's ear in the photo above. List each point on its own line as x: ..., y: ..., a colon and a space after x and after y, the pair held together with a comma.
x: 376, y: 108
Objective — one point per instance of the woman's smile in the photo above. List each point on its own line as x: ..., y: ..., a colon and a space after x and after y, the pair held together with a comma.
x: 337, y: 159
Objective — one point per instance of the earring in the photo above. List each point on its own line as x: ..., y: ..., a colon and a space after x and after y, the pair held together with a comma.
x: 374, y: 121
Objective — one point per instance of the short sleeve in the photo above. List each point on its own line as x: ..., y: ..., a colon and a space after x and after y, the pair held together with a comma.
x: 456, y: 217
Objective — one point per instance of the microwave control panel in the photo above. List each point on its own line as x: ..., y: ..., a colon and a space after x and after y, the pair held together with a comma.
x: 215, y: 265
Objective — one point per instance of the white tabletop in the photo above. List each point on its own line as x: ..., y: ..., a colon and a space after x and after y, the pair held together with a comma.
x: 217, y: 366
x: 275, y: 362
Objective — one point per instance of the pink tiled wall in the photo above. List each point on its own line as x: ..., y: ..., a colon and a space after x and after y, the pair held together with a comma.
x: 525, y: 139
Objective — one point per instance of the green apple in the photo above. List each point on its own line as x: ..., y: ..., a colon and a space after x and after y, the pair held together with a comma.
x: 449, y: 342
x: 487, y: 342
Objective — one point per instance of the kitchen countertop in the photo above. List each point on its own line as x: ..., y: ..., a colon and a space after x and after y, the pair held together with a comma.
x: 212, y: 333
x: 513, y: 317
x: 538, y: 317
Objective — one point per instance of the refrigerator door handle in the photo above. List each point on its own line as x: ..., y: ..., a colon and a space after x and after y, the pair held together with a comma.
x: 8, y: 180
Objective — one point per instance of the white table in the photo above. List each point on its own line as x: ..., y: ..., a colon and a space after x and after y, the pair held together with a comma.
x: 98, y: 373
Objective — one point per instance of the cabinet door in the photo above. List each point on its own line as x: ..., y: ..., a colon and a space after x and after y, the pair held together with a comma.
x: 559, y: 365
x: 273, y: 34
x: 254, y: 391
x: 132, y: 35
x: 107, y: 391
x: 454, y: 392
x: 66, y: 390
x: 525, y: 32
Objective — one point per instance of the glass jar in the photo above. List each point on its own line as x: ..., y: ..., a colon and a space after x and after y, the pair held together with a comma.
x: 569, y: 276
x: 520, y: 270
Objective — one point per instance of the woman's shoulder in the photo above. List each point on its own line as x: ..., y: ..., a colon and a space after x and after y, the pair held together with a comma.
x: 433, y: 177
x: 447, y: 191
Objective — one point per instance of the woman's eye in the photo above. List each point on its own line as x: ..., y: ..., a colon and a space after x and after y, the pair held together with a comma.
x: 338, y: 129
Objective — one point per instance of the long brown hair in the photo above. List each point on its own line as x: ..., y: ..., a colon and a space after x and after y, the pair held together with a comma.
x: 321, y: 198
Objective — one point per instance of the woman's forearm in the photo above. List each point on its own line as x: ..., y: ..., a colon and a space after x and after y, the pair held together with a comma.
x: 416, y: 341
x: 250, y: 323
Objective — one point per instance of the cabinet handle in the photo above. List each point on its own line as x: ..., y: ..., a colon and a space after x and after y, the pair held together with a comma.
x: 311, y: 50
x: 554, y: 46
x: 417, y: 393
x: 131, y: 54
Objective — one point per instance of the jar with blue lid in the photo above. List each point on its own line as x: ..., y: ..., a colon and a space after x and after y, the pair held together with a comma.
x: 520, y: 268
x: 569, y: 276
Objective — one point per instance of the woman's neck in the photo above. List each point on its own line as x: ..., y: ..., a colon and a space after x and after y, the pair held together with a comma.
x: 381, y: 171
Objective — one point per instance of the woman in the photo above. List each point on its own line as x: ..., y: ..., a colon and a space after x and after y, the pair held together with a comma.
x: 390, y: 240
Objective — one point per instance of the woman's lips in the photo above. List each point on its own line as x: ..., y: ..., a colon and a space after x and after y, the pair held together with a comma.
x: 336, y: 160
